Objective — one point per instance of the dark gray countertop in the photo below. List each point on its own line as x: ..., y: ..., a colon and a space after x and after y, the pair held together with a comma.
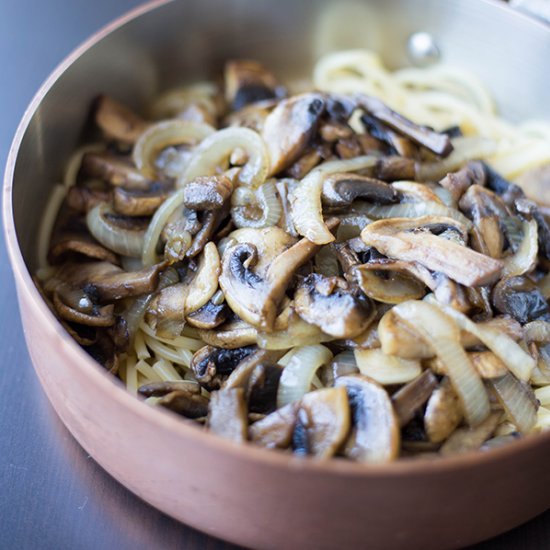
x: 53, y: 495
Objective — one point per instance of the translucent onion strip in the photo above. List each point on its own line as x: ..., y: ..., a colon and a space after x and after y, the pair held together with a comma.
x: 414, y: 210
x: 444, y: 337
x: 165, y: 134
x: 156, y: 225
x: 516, y: 401
x: 128, y: 242
x: 465, y: 149
x: 55, y: 200
x: 264, y: 199
x: 520, y: 363
x: 525, y: 258
x: 306, y: 209
x: 543, y: 395
x: 212, y: 155
x: 299, y: 372
x: 386, y: 369
x: 73, y: 166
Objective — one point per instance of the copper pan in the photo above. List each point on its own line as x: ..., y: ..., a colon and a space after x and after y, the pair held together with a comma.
x: 244, y: 494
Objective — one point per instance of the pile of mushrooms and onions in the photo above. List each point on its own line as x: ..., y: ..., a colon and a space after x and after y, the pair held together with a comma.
x: 312, y: 273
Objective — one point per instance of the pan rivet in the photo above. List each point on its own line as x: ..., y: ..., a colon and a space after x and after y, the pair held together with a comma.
x: 422, y: 49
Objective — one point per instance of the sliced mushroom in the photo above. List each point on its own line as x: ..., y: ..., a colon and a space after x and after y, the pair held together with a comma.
x: 227, y: 414
x: 108, y: 280
x: 158, y: 389
x: 251, y: 116
x: 396, y: 338
x: 166, y: 311
x: 443, y: 413
x: 261, y: 392
x: 68, y: 246
x: 411, y: 240
x: 84, y: 312
x: 440, y: 144
x: 289, y: 127
x: 240, y: 377
x: 209, y: 316
x: 188, y: 404
x: 394, y: 168
x: 309, y: 160
x: 254, y: 298
x: 232, y: 335
x: 139, y: 202
x: 535, y: 183
x: 408, y: 400
x: 323, y: 423
x: 212, y: 366
x: 82, y: 198
x: 509, y: 192
x: 118, y: 121
x: 328, y: 303
x: 465, y: 440
x: 376, y: 436
x: 115, y: 170
x: 210, y: 223
x: 207, y: 192
x: 457, y: 183
x: 276, y: 429
x: 248, y: 82
x: 341, y: 189
x: 521, y: 299
x: 488, y: 364
x: 205, y: 283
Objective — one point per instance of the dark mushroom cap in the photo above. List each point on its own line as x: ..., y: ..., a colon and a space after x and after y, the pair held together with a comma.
x: 341, y: 189
x: 521, y: 299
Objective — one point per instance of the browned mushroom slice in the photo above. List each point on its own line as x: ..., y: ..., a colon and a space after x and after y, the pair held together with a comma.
x: 212, y: 366
x: 309, y: 160
x: 227, y: 414
x: 240, y: 377
x: 256, y: 298
x: 247, y: 82
x: 411, y: 240
x: 210, y: 223
x: 440, y: 144
x: 158, y: 389
x: 207, y: 192
x: 535, y: 183
x: 184, y: 402
x: 375, y: 437
x: 384, y: 281
x: 84, y: 246
x: 394, y: 168
x: 261, y: 391
x: 139, y: 202
x: 520, y: 298
x: 396, y: 338
x: 166, y: 312
x: 341, y: 189
x: 488, y: 364
x: 209, y: 316
x: 118, y: 121
x: 486, y: 210
x: 110, y: 281
x: 465, y: 440
x: 289, y: 127
x: 252, y: 116
x: 276, y: 429
x: 323, y: 423
x: 411, y: 397
x: 458, y: 182
x: 115, y: 170
x: 333, y: 131
x: 235, y: 334
x: 328, y: 303
x: 443, y: 413
x: 82, y: 199
x: 87, y: 314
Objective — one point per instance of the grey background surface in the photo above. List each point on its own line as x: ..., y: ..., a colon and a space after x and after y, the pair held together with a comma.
x: 52, y: 494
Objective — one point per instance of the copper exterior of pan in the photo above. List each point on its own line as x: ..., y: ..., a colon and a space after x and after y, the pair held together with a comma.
x: 244, y: 494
